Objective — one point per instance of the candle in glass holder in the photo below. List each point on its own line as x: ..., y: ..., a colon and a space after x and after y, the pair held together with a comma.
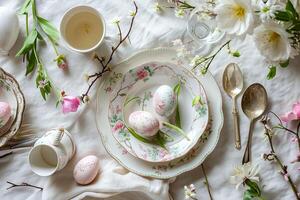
x: 82, y: 28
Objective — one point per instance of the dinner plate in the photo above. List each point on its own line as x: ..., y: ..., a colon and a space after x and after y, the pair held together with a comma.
x: 165, y: 170
x: 133, y: 91
x: 10, y: 92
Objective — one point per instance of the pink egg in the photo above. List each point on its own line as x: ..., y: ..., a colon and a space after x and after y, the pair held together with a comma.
x: 86, y: 170
x: 144, y: 123
x: 5, y: 113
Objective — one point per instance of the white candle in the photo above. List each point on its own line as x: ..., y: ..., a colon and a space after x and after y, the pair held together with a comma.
x: 83, y: 28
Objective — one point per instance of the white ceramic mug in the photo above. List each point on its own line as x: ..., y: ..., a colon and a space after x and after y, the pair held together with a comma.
x: 82, y: 28
x: 51, y: 152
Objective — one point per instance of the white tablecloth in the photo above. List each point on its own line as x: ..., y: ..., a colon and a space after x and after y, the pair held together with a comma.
x: 150, y: 30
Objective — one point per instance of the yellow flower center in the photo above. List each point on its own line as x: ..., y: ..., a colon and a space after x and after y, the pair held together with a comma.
x: 274, y: 37
x: 239, y: 11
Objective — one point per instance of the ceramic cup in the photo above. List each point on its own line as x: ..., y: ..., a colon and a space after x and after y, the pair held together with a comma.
x: 51, y: 152
x: 82, y: 28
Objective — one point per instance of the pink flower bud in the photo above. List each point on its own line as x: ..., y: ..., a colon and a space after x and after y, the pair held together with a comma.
x: 70, y: 104
x: 62, y: 62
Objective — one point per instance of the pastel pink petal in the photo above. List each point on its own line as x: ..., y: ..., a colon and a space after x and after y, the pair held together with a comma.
x: 290, y: 116
x: 296, y: 109
x: 70, y: 104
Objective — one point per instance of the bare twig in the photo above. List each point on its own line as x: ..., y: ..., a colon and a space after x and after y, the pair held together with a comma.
x: 206, y: 182
x: 6, y: 154
x: 272, y: 156
x: 22, y: 185
x: 105, y: 66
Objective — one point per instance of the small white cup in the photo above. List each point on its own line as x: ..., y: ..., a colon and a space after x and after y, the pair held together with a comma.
x: 82, y: 28
x: 51, y: 152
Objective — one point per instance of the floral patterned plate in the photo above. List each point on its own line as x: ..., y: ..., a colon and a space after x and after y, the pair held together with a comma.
x: 166, y: 170
x: 135, y: 88
x: 10, y: 92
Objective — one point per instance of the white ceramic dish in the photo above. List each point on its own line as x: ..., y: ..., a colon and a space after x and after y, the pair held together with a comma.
x: 195, y: 157
x: 138, y: 86
x: 11, y: 93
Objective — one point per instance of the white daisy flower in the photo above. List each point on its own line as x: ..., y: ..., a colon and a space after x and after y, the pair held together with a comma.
x: 235, y: 16
x: 243, y: 172
x: 268, y: 9
x: 272, y: 41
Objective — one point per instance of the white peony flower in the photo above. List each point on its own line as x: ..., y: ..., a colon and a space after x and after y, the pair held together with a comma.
x: 235, y: 16
x: 243, y: 172
x: 267, y: 10
x: 273, y: 42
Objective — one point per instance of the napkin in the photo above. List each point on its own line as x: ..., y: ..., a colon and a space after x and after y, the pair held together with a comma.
x: 112, y: 180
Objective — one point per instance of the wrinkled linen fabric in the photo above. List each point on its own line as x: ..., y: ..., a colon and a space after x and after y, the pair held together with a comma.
x: 150, y: 30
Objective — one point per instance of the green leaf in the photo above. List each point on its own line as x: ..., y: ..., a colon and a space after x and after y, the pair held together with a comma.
x: 177, y: 129
x: 28, y: 43
x: 196, y: 100
x: 290, y: 7
x: 283, y: 16
x: 177, y: 90
x: 285, y: 63
x: 31, y: 63
x: 49, y: 29
x: 272, y: 72
x: 25, y: 7
x: 142, y: 139
x: 254, y: 188
x: 236, y: 54
x: 295, y: 27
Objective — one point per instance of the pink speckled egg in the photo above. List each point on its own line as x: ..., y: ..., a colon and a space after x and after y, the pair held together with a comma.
x: 86, y: 170
x: 5, y: 113
x: 144, y: 123
x: 164, y: 101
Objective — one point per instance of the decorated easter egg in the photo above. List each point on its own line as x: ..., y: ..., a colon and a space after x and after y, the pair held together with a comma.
x: 144, y: 123
x: 5, y: 113
x: 86, y: 170
x: 164, y: 100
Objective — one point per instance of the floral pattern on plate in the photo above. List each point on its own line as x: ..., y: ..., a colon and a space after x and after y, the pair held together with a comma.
x: 133, y: 91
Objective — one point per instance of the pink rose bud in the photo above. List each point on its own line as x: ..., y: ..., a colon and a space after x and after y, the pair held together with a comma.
x: 70, y: 104
x: 62, y: 62
x: 296, y: 109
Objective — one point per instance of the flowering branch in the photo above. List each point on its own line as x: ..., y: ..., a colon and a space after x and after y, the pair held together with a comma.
x: 106, y: 65
x: 206, y: 61
x: 22, y: 185
x: 272, y: 156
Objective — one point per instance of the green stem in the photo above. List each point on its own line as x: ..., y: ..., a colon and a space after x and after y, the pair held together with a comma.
x: 27, y: 26
x: 175, y: 128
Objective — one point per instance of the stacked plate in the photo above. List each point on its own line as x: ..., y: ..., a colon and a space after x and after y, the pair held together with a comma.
x: 10, y: 93
x: 130, y: 87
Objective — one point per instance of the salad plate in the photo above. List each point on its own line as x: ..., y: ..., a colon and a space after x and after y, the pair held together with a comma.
x: 164, y: 170
x: 133, y: 91
x: 10, y: 93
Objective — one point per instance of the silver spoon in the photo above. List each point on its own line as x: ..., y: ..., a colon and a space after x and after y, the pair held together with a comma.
x: 254, y: 104
x: 233, y: 85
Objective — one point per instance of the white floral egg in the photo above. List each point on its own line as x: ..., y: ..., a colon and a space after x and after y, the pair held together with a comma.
x: 144, y: 123
x: 5, y: 113
x: 164, y: 100
x: 86, y: 170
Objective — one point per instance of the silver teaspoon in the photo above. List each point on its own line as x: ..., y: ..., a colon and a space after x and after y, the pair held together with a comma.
x: 233, y: 85
x: 254, y: 104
